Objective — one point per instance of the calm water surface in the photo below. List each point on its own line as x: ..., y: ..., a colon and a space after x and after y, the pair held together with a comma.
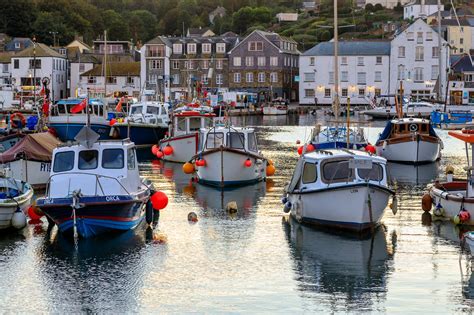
x: 254, y: 261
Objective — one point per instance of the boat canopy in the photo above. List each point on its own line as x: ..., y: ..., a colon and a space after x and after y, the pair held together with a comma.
x: 35, y: 147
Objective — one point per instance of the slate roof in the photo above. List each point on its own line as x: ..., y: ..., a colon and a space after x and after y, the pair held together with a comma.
x: 5, y: 57
x: 24, y: 43
x: 116, y: 69
x: 463, y: 64
x: 85, y: 58
x: 351, y: 48
x: 454, y: 22
x: 42, y: 50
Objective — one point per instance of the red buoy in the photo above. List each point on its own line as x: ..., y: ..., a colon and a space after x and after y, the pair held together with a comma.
x: 159, y: 200
x: 154, y: 149
x: 248, y: 163
x: 370, y: 148
x: 112, y: 122
x: 159, y: 154
x: 35, y: 218
x: 168, y: 150
x: 310, y: 148
x: 300, y: 150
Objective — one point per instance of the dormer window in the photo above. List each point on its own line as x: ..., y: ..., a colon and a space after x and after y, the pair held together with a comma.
x: 177, y: 49
x: 17, y: 45
x: 206, y: 48
x: 220, y: 48
x: 191, y: 48
x: 255, y: 46
x: 62, y: 51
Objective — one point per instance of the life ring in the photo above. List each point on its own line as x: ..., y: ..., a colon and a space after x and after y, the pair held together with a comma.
x: 468, y: 131
x: 413, y: 127
x: 20, y: 116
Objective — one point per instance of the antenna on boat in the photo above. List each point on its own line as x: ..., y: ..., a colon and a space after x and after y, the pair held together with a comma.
x: 86, y: 136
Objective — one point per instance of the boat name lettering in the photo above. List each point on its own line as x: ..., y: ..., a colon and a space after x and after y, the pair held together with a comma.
x: 45, y: 167
x: 353, y: 191
x: 112, y: 198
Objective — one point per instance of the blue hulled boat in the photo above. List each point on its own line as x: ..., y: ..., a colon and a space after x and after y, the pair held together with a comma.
x: 452, y: 120
x: 95, y: 187
x: 336, y: 138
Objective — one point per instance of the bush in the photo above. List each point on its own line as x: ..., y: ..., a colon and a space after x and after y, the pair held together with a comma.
x: 369, y: 7
x: 378, y: 7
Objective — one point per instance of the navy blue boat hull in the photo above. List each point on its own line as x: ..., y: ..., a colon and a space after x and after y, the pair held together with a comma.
x: 337, y: 145
x: 142, y: 135
x: 99, y: 214
x: 67, y: 131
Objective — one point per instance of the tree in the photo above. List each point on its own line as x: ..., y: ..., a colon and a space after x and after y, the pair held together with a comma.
x: 142, y: 25
x: 242, y: 19
x: 48, y: 23
x: 115, y: 26
x: 378, y: 7
x: 369, y: 7
x: 16, y: 17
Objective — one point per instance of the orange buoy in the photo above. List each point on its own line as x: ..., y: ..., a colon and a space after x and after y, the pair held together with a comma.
x: 159, y: 200
x: 426, y: 202
x: 168, y: 150
x: 154, y: 149
x: 188, y: 168
x: 270, y: 170
x: 159, y: 154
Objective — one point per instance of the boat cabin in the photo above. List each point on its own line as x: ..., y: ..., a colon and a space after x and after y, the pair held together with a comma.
x: 408, y: 126
x: 243, y: 139
x: 107, y: 168
x: 189, y: 122
x: 150, y: 112
x: 322, y: 169
x: 64, y: 107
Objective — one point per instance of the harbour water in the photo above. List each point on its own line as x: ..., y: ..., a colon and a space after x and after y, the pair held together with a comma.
x: 256, y: 260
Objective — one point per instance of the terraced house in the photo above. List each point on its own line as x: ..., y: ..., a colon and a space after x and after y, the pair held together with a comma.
x: 267, y: 64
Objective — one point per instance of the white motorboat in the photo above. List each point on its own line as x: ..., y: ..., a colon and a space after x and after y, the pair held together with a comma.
x: 229, y: 156
x: 409, y: 140
x: 14, y: 195
x: 411, y: 109
x: 455, y: 199
x: 345, y: 189
x: 184, y: 137
x: 276, y: 107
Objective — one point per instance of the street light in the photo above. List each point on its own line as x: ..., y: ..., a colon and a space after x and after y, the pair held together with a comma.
x: 54, y: 37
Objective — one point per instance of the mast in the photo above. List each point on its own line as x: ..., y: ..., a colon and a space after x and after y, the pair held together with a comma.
x: 336, y: 65
x: 440, y: 59
x: 105, y: 75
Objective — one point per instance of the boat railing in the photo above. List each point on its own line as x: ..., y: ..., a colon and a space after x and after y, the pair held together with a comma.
x: 98, y: 184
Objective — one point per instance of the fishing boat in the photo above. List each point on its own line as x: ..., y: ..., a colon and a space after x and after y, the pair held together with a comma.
x: 276, y: 107
x: 183, y: 142
x: 146, y: 124
x: 95, y: 187
x: 455, y: 199
x: 67, y: 117
x: 341, y: 188
x: 452, y: 120
x: 409, y: 140
x: 338, y: 137
x: 29, y: 160
x: 15, y: 196
x: 229, y: 156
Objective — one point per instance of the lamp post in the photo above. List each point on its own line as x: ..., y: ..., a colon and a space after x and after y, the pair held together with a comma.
x: 34, y: 70
x: 54, y: 37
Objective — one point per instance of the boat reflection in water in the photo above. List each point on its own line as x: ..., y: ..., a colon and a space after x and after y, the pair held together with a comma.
x: 409, y: 174
x: 355, y: 267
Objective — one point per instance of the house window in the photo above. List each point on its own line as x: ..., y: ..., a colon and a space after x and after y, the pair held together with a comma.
x: 255, y: 46
x: 378, y: 92
x: 261, y: 61
x: 219, y: 64
x: 435, y: 52
x: 410, y: 36
x: 274, y: 77
x: 261, y: 77
x: 175, y: 78
x: 237, y: 61
x: 35, y: 63
x: 156, y: 64
x: 378, y: 60
x: 205, y: 64
x: 220, y: 48
x: 344, y: 92
x: 344, y: 60
x: 309, y: 93
x: 274, y: 61
x: 401, y: 72
x: 237, y: 77
x: 91, y: 80
x: 219, y: 79
x: 152, y: 78
x: 344, y: 76
x: 429, y: 36
x: 17, y: 45
x: 191, y: 48
x: 156, y: 51
x: 112, y: 80
x: 331, y: 77
x: 401, y: 52
x: 204, y: 79
x: 378, y: 76
x: 461, y: 41
x: 16, y: 63
x: 5, y: 68
x: 361, y: 92
x: 418, y: 74
x: 309, y: 76
x: 419, y: 53
x: 177, y: 49
x: 311, y: 61
x: 361, y: 78
x: 130, y: 80
x: 206, y: 48
x: 327, y: 92
x: 82, y: 67
x: 249, y: 77
x: 360, y: 61
x: 175, y: 64
x: 434, y: 72
x: 419, y: 37
x: 249, y: 61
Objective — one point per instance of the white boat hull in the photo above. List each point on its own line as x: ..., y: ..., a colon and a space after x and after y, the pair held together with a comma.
x: 412, y: 152
x: 32, y: 172
x: 345, y: 207
x: 8, y: 207
x: 184, y: 147
x: 274, y: 111
x: 226, y: 168
x: 451, y: 203
x: 469, y: 237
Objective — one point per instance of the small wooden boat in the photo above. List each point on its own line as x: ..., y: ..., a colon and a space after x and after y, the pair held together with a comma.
x: 345, y: 189
x: 409, y: 140
x: 95, y: 187
x: 455, y: 199
x: 229, y: 156
x: 276, y: 107
x: 14, y: 195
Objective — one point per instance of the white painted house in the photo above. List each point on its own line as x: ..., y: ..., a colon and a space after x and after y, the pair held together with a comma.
x: 420, y: 9
x: 363, y: 72
x: 82, y: 63
x: 40, y: 61
x: 414, y: 61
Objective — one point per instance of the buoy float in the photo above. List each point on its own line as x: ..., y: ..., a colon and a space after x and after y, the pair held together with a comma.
x: 34, y: 217
x: 231, y: 207
x: 192, y: 217
x: 270, y: 170
x: 310, y: 148
x: 159, y: 200
x: 426, y: 202
x: 201, y: 162
x: 464, y: 216
x: 168, y: 150
x: 284, y: 200
x: 287, y: 207
x: 298, y: 141
x: 248, y: 163
x: 370, y: 149
x: 188, y: 168
x: 300, y: 150
x: 154, y: 149
x: 159, y: 154
x: 149, y: 212
x: 18, y: 219
x: 112, y: 122
x: 456, y: 219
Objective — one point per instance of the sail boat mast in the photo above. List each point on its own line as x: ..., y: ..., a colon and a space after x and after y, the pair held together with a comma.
x: 336, y: 64
x: 440, y: 59
x: 105, y: 75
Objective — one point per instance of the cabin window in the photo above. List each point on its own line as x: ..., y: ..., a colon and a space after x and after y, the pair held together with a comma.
x: 88, y: 160
x: 375, y: 174
x: 424, y: 128
x: 136, y: 110
x: 337, y: 171
x: 310, y: 174
x: 152, y: 110
x: 62, y: 108
x: 182, y: 124
x: 214, y: 140
x: 236, y: 140
x: 112, y: 158
x: 207, y: 122
x: 402, y: 128
x: 63, y: 161
x: 131, y: 159
x: 252, y: 142
x: 194, y: 124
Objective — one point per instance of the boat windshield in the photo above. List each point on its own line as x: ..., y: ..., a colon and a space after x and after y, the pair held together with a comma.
x: 252, y: 142
x: 112, y: 159
x: 337, y: 171
x: 63, y: 161
x: 236, y: 140
x: 136, y: 110
x: 214, y: 140
x: 194, y: 123
x: 375, y: 174
x: 310, y: 173
x: 152, y: 110
x: 88, y: 160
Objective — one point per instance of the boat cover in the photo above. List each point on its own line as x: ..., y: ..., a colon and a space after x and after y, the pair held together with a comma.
x: 296, y: 176
x: 35, y: 147
x: 388, y: 129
